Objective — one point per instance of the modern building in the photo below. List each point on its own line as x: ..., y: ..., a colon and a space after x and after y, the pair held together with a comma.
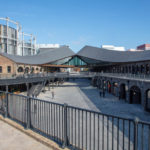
x: 112, y: 47
x: 143, y: 47
x: 12, y: 39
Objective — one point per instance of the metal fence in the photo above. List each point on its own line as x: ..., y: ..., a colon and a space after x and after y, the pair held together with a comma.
x: 126, y: 75
x: 74, y: 127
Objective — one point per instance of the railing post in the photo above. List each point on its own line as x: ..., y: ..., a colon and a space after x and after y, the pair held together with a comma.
x: 6, y: 105
x: 136, y: 120
x: 28, y: 112
x: 65, y: 143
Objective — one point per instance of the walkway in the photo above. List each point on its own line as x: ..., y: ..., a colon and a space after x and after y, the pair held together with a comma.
x: 13, y: 139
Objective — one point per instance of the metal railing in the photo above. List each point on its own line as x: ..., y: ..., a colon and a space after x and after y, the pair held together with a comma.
x: 76, y: 128
x: 125, y: 75
x: 47, y: 75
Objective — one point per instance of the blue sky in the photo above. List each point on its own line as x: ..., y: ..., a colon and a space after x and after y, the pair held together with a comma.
x: 83, y: 22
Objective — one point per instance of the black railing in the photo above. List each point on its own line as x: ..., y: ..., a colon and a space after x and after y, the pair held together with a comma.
x: 76, y: 128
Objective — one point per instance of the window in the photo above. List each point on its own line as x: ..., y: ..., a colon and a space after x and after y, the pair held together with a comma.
x: 20, y: 69
x: 9, y: 69
x: 1, y: 69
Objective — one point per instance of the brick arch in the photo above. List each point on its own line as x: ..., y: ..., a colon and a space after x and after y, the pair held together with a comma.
x: 20, y: 69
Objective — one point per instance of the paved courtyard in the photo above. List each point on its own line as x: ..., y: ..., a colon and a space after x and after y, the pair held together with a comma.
x: 13, y: 139
x: 81, y: 94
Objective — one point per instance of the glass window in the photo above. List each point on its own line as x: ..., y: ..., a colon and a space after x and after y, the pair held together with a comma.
x: 1, y: 69
x: 9, y: 69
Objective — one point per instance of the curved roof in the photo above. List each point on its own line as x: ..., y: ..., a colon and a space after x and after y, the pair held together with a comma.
x: 42, y: 58
x: 111, y: 56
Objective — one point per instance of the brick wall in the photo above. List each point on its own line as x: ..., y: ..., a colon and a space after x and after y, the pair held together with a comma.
x: 5, y: 62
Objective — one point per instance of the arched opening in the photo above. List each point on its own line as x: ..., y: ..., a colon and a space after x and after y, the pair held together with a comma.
x: 20, y: 69
x: 27, y: 70
x: 108, y: 87
x: 148, y: 100
x: 122, y: 91
x: 115, y: 89
x: 135, y: 95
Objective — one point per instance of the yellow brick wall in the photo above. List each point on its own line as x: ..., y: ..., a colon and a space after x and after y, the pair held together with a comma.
x: 5, y: 62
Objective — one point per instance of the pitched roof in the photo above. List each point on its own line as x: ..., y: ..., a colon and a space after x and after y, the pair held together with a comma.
x: 104, y: 55
x: 44, y: 57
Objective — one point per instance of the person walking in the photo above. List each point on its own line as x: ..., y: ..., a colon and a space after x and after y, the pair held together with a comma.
x: 53, y: 94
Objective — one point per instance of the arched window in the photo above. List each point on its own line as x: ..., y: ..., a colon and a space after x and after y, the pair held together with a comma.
x: 20, y: 69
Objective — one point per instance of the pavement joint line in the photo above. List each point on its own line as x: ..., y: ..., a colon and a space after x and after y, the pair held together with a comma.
x: 39, y: 138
